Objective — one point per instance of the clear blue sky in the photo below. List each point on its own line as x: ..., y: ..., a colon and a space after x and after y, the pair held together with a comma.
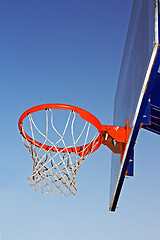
x: 69, y: 51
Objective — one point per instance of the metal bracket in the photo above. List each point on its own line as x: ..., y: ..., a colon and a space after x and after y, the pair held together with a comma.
x: 115, y: 138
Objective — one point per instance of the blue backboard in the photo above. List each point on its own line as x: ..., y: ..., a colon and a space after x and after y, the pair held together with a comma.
x: 134, y: 94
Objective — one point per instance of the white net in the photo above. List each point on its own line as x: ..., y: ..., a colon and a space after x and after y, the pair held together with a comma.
x: 55, y: 164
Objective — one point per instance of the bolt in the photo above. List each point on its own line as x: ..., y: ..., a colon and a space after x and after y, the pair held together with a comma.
x: 114, y: 142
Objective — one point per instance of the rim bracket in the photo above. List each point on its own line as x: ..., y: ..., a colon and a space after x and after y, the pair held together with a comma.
x: 115, y: 138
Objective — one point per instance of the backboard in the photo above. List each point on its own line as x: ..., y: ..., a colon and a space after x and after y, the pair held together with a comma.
x: 134, y: 93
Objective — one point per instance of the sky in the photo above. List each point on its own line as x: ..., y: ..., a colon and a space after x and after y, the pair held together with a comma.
x: 70, y: 51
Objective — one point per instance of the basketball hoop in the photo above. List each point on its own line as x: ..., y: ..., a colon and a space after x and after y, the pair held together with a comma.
x: 55, y: 163
x: 59, y: 146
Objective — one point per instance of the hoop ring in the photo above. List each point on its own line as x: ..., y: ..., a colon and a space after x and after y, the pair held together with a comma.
x: 84, y: 115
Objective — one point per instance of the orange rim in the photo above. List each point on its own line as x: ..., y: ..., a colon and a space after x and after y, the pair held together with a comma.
x: 83, y: 113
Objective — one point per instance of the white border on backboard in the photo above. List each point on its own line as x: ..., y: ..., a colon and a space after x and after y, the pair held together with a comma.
x: 146, y: 79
